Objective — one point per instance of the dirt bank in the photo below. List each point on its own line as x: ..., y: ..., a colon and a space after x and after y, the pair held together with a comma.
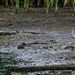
x: 36, y: 19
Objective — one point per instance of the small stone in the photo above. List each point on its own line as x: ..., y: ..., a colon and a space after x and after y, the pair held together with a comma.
x: 69, y: 47
x: 55, y: 49
x: 60, y: 57
x: 24, y: 44
x: 45, y: 47
x: 66, y: 58
x: 20, y: 46
x: 72, y: 49
x: 51, y: 47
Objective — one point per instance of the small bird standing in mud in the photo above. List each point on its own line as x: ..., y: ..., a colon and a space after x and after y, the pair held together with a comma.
x: 73, y: 33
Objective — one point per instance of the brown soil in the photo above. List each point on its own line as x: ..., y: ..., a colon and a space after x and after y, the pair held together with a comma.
x: 37, y: 19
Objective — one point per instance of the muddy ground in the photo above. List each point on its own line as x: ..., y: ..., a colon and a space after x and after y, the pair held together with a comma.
x: 47, y: 37
x: 36, y: 19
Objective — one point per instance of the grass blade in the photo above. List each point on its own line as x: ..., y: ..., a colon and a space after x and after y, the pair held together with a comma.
x: 11, y: 1
x: 26, y: 2
x: 63, y: 1
x: 6, y: 3
x: 17, y: 6
x: 52, y: 1
x: 56, y: 5
x: 46, y: 3
x: 71, y: 3
x: 38, y: 2
x: 31, y: 2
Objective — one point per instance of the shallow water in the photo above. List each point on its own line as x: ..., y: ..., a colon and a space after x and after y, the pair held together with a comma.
x: 45, y: 48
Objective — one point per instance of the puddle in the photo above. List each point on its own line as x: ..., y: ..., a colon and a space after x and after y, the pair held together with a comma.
x: 40, y: 49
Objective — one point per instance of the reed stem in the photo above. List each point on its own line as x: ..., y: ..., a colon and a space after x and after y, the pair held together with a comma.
x: 17, y: 6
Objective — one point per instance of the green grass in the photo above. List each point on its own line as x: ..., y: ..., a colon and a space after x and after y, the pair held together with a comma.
x: 56, y: 5
x: 17, y: 6
x: 71, y: 2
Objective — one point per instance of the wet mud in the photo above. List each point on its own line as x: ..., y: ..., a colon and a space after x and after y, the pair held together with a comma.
x: 38, y: 39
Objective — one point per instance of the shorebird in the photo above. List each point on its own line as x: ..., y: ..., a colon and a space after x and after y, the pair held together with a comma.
x: 73, y: 33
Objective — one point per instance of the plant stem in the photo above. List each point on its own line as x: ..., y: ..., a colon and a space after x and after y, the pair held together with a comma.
x: 17, y: 6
